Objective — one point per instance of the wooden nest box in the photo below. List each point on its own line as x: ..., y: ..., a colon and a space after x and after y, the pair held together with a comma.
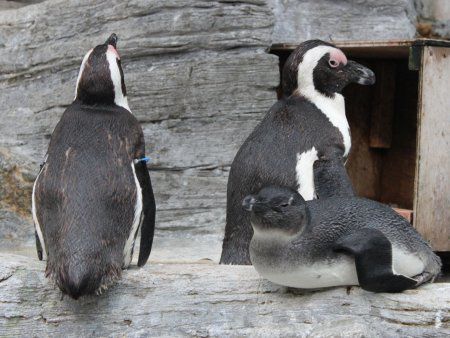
x: 400, y: 130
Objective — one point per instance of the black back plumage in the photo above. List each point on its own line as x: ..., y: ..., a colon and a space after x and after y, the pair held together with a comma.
x: 86, y: 193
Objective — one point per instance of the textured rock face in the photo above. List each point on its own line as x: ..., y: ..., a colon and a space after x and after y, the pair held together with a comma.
x: 198, y: 79
x: 212, y: 300
x: 434, y: 18
x: 343, y: 20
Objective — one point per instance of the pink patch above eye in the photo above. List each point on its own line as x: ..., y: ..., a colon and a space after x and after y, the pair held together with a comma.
x: 337, y: 57
x: 113, y: 50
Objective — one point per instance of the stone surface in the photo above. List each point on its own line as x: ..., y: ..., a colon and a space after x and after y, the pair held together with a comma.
x: 198, y: 78
x: 343, y: 20
x: 434, y: 18
x: 211, y: 300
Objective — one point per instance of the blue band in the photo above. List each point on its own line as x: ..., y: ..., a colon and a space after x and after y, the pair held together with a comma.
x: 143, y: 159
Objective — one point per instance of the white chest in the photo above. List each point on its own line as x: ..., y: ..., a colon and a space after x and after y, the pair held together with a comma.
x: 334, y: 110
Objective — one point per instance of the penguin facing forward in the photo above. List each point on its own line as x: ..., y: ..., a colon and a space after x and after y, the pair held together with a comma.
x: 93, y: 191
x: 335, y: 241
x: 303, y: 141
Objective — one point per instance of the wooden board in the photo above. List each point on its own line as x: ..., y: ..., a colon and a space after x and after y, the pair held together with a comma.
x: 432, y: 202
x: 390, y: 49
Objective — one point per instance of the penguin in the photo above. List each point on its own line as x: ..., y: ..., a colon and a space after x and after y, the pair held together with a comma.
x: 335, y: 242
x: 93, y: 192
x: 302, y: 142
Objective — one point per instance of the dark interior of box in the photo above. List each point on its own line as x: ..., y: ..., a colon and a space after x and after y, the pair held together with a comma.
x: 383, y: 123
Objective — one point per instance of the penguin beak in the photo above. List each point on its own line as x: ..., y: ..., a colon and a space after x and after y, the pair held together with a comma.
x: 359, y: 74
x: 248, y: 203
x: 112, y: 40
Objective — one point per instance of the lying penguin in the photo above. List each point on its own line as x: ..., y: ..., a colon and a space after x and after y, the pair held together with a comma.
x: 94, y: 192
x: 303, y: 141
x: 335, y: 241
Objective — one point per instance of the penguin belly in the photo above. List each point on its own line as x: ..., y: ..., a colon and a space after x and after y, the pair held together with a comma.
x: 336, y: 272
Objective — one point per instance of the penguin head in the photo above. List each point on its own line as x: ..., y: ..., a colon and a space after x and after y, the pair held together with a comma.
x: 276, y: 208
x: 316, y: 66
x: 100, y: 79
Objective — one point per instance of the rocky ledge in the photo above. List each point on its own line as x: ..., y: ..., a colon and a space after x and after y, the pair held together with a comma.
x: 206, y: 299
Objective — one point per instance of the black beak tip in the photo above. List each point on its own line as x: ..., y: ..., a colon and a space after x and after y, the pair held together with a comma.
x: 368, y: 80
x: 112, y: 40
x: 248, y: 202
x: 367, y: 77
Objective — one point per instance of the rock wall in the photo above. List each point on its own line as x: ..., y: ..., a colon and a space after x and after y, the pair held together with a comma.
x: 360, y: 19
x: 343, y: 20
x: 433, y: 18
x: 198, y: 79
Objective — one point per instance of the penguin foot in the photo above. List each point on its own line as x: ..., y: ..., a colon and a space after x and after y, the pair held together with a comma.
x: 423, y: 278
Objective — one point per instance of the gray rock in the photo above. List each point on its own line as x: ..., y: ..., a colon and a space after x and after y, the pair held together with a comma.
x: 434, y: 18
x: 297, y: 21
x: 211, y: 300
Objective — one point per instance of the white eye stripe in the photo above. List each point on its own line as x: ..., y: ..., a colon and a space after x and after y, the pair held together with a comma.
x: 333, y: 108
x: 83, y: 64
x: 119, y: 98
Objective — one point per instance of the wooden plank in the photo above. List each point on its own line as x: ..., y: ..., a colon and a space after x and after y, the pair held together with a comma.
x: 362, y: 49
x: 432, y: 196
x: 372, y: 49
x: 383, y: 105
x: 211, y: 300
x: 406, y: 213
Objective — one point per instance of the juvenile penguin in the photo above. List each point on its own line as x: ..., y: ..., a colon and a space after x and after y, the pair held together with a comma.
x: 335, y: 241
x: 303, y: 141
x: 93, y: 191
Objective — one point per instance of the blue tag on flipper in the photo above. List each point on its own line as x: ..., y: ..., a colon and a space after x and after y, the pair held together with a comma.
x: 143, y: 159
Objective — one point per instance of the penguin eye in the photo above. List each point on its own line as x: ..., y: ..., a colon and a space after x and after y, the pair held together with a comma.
x: 284, y: 205
x: 333, y: 63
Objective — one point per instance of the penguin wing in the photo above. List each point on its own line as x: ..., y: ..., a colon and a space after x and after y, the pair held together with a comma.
x: 38, y: 232
x: 148, y: 212
x: 331, y: 178
x: 373, y: 259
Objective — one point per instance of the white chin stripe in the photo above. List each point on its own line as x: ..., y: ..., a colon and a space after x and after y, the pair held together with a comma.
x: 136, y: 222
x: 83, y: 64
x: 305, y: 173
x: 333, y: 108
x: 119, y: 98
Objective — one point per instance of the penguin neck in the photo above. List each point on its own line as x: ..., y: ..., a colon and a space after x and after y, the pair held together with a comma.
x: 274, y: 237
x: 332, y: 107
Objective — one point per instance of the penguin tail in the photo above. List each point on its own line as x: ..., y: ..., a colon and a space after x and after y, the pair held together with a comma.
x: 432, y: 268
x: 76, y: 280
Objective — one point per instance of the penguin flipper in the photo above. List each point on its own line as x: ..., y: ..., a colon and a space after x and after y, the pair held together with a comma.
x: 373, y: 259
x: 331, y: 178
x: 149, y: 209
x: 38, y: 246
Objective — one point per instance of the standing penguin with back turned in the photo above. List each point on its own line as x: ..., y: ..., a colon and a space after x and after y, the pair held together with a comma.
x: 94, y: 190
x: 302, y: 142
x: 336, y: 241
